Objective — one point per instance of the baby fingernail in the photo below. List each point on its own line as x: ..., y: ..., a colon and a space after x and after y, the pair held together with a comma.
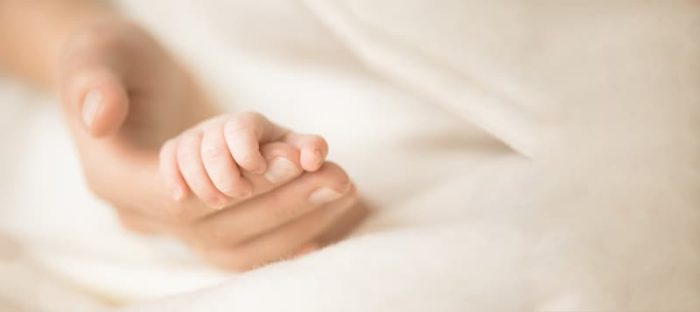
x: 178, y: 194
x: 220, y: 203
x: 324, y: 195
x: 260, y: 169
x: 245, y: 193
x: 91, y: 105
x: 280, y: 170
x: 318, y: 156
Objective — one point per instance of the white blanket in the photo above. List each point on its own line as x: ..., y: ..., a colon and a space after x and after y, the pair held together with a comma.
x: 522, y: 155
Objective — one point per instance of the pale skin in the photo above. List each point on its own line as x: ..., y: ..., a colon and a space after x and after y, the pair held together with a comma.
x: 240, y: 190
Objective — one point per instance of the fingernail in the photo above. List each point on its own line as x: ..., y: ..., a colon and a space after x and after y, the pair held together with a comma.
x: 324, y: 195
x: 319, y: 157
x: 245, y: 193
x: 91, y: 105
x: 259, y: 169
x: 220, y: 203
x: 178, y: 194
x: 280, y: 170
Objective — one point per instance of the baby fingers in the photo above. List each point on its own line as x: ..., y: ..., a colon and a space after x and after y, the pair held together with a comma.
x: 220, y: 165
x: 243, y: 136
x: 313, y: 149
x: 171, y: 172
x: 191, y: 166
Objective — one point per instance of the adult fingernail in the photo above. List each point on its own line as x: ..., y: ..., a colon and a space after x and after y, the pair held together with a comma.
x: 91, y: 105
x: 280, y: 170
x: 324, y: 195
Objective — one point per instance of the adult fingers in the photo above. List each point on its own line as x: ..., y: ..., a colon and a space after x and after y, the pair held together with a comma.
x: 283, y: 242
x: 96, y: 95
x: 309, y: 192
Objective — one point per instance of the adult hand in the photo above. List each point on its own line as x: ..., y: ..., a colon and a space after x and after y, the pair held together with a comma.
x: 123, y: 96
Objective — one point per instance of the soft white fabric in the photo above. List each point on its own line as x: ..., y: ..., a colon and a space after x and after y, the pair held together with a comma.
x: 522, y: 155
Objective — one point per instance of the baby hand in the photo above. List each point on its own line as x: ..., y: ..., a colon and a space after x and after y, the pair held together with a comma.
x: 221, y: 160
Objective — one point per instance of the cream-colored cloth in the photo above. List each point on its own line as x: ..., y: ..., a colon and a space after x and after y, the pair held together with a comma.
x: 522, y: 155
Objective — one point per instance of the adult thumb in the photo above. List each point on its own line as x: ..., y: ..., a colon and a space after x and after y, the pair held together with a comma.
x: 99, y: 99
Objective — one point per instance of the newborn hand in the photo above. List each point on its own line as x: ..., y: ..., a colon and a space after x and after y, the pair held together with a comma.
x: 213, y: 158
x: 124, y: 95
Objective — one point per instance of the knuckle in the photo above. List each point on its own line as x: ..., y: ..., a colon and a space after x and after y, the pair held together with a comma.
x: 167, y: 147
x: 281, y: 212
x: 214, y: 153
x: 186, y: 155
x: 277, y: 208
x: 239, y: 124
x: 213, y: 235
x: 251, y: 118
x: 247, y: 160
x: 247, y: 121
